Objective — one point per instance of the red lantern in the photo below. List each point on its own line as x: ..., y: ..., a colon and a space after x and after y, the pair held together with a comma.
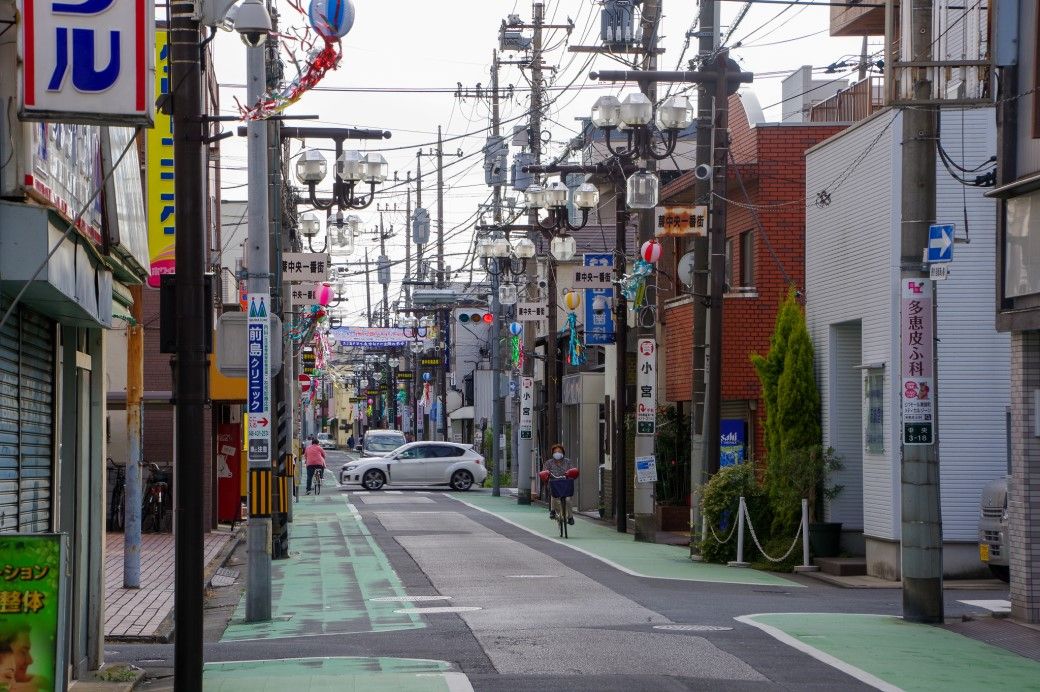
x: 651, y: 251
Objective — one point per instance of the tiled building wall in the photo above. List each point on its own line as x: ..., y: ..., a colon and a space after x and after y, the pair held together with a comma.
x: 1024, y: 487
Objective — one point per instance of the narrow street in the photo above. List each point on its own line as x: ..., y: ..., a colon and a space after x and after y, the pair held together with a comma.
x: 424, y: 589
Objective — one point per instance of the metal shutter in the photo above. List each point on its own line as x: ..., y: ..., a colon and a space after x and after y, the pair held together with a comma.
x: 26, y: 421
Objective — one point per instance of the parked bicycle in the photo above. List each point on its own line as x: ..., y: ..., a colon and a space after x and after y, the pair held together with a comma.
x: 117, y: 503
x: 155, y: 512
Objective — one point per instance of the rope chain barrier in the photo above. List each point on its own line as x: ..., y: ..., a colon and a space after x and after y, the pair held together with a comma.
x: 754, y: 537
x: 711, y: 527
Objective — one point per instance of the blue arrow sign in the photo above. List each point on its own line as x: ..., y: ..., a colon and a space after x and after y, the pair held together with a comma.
x: 940, y: 243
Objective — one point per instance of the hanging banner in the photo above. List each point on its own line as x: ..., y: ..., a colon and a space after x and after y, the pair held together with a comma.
x: 87, y: 62
x: 917, y: 336
x: 158, y: 148
x: 646, y: 388
x: 681, y: 221
x: 599, y: 321
x: 32, y: 569
x: 369, y: 336
x: 526, y: 407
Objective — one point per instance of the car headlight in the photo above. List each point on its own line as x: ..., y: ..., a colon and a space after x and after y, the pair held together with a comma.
x: 349, y: 468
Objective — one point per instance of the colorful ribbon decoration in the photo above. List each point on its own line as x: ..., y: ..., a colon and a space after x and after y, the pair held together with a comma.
x: 576, y: 352
x: 633, y: 286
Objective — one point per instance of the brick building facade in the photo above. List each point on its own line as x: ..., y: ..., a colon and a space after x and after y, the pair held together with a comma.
x: 765, y: 247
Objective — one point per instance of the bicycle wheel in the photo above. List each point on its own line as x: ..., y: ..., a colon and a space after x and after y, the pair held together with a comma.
x: 561, y: 517
x: 317, y: 481
x: 118, y: 510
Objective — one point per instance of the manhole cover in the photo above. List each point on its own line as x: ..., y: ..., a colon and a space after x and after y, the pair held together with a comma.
x: 413, y: 599
x: 692, y: 628
x: 435, y: 610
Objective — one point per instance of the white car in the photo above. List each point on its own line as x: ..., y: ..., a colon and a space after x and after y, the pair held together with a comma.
x: 418, y: 463
x: 325, y: 441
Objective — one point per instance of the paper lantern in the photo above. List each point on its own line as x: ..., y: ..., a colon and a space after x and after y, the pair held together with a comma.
x: 651, y: 251
x: 426, y: 377
x: 323, y: 294
x: 572, y: 299
x: 331, y: 18
x: 516, y: 329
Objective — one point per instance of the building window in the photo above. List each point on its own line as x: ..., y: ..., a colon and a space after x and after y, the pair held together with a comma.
x: 747, y: 259
x: 729, y: 263
x: 874, y: 425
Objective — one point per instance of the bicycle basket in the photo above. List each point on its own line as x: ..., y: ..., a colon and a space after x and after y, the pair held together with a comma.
x: 561, y: 487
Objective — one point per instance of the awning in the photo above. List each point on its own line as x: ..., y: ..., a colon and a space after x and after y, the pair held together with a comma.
x: 464, y: 413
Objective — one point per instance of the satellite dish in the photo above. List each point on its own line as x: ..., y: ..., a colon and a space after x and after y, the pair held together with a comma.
x: 685, y: 269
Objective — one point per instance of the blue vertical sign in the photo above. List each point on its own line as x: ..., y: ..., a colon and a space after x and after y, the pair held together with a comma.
x: 732, y: 442
x: 599, y: 327
x: 259, y: 378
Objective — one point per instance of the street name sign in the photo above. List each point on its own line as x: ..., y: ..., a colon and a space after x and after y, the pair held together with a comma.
x: 259, y: 381
x: 526, y: 407
x: 300, y: 267
x: 531, y: 312
x: 940, y: 243
x: 646, y: 386
x: 681, y: 221
x: 592, y: 277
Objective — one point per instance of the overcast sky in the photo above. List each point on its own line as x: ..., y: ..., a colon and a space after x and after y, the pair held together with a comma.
x: 399, y: 46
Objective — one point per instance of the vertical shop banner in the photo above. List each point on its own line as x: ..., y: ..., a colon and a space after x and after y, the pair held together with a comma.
x: 526, y: 407
x: 732, y: 442
x: 646, y: 388
x: 917, y: 337
x: 32, y: 611
x: 259, y: 381
x: 159, y: 173
x: 87, y: 62
x: 599, y: 326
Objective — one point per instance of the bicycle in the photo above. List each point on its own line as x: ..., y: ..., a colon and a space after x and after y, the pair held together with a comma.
x: 117, y: 505
x: 318, y: 475
x: 156, y: 500
x: 561, y: 487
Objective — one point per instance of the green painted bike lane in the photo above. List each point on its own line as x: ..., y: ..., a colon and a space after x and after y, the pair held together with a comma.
x: 891, y: 654
x: 326, y: 587
x: 619, y: 550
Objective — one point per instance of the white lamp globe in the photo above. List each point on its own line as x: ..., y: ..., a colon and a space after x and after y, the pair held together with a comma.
x: 642, y: 190
x: 376, y: 168
x: 636, y: 110
x: 586, y: 196
x: 350, y: 166
x: 676, y: 113
x: 500, y: 247
x: 606, y: 112
x: 484, y: 247
x: 555, y: 195
x: 309, y: 225
x: 524, y: 248
x: 535, y: 197
x: 311, y: 167
x: 563, y: 247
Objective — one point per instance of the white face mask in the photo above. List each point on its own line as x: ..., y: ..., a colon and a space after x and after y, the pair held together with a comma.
x: 557, y: 455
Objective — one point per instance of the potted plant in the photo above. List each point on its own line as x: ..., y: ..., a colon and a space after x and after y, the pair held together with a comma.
x: 811, y: 469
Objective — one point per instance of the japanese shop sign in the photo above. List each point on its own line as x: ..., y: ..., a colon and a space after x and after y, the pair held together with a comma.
x: 599, y: 324
x: 259, y: 381
x: 917, y: 336
x: 31, y: 611
x: 646, y: 388
x: 65, y: 169
x: 531, y: 312
x: 526, y: 407
x: 592, y: 276
x: 681, y: 221
x: 87, y: 61
x: 305, y: 266
x: 369, y: 337
x: 158, y: 150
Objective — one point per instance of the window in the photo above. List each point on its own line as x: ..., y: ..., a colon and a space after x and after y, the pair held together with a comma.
x: 874, y: 425
x: 729, y: 262
x: 747, y: 258
x: 449, y: 451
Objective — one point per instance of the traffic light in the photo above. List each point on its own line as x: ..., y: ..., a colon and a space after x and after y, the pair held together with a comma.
x: 485, y: 317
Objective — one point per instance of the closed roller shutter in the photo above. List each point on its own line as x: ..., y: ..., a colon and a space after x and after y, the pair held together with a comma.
x: 26, y: 421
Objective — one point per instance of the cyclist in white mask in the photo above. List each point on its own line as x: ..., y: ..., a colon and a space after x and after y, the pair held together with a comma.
x: 557, y: 465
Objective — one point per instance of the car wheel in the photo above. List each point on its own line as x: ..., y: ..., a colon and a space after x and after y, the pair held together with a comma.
x: 1001, y: 572
x: 461, y: 480
x: 373, y: 479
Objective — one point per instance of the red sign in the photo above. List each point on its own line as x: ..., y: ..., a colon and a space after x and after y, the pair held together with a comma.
x: 305, y: 382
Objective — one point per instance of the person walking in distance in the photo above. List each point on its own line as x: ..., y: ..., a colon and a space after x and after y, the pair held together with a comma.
x: 314, y: 457
x: 558, y: 465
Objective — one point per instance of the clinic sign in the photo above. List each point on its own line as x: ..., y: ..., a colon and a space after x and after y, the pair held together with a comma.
x: 87, y: 61
x: 258, y: 386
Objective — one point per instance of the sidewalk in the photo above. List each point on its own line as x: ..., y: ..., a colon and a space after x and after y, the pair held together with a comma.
x: 145, y: 614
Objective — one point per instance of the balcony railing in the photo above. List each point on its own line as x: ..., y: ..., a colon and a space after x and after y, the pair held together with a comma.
x: 855, y: 103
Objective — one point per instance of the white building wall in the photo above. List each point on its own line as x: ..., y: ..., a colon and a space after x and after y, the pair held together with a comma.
x: 850, y: 263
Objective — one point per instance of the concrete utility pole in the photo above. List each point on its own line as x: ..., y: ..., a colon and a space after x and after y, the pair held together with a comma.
x: 708, y: 40
x: 258, y: 264
x: 619, y: 445
x: 441, y: 419
x: 368, y: 290
x: 921, y: 524
x: 191, y: 369
x: 132, y: 485
x: 382, y: 261
x: 643, y: 509
x: 497, y: 405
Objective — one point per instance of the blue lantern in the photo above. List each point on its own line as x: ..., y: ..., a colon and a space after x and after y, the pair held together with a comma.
x: 426, y: 377
x: 331, y: 18
x: 516, y: 329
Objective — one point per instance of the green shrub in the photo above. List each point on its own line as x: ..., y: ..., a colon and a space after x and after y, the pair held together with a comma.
x: 721, y: 499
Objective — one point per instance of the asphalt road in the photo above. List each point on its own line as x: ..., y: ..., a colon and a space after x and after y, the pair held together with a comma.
x: 539, y: 615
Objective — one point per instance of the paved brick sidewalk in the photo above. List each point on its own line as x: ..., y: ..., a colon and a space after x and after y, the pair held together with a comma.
x: 143, y: 613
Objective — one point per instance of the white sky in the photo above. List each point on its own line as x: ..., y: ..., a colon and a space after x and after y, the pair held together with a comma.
x: 410, y: 44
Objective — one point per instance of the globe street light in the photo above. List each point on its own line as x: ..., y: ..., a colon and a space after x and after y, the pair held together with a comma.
x: 352, y: 169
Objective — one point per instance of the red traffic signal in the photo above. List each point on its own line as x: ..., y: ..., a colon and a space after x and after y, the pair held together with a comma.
x: 475, y: 317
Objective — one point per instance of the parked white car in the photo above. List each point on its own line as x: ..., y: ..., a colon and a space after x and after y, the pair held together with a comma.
x: 325, y: 441
x: 418, y: 463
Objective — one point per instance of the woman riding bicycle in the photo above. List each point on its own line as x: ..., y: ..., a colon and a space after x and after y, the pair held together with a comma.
x: 558, y: 465
x: 314, y: 457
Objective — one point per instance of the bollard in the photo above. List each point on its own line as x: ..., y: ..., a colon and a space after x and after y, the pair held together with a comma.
x: 741, y: 511
x: 805, y: 566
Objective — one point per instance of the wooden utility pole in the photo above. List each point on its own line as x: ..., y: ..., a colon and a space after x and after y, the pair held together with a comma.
x: 132, y: 484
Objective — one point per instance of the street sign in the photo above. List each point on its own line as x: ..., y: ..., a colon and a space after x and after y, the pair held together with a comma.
x: 940, y: 243
x: 592, y: 277
x: 526, y: 407
x: 681, y: 221
x: 646, y: 385
x: 646, y: 469
x: 531, y: 312
x: 305, y: 382
x: 917, y: 334
x: 939, y: 271
x: 259, y: 382
x: 300, y: 267
x: 599, y: 322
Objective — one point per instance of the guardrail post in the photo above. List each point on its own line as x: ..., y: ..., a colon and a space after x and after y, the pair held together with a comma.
x: 805, y: 566
x: 741, y: 512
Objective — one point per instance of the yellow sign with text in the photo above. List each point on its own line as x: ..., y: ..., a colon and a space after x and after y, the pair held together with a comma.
x: 159, y: 173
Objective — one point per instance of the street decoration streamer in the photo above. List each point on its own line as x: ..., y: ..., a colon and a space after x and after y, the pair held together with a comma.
x: 323, y: 54
x: 576, y: 352
x: 516, y: 349
x: 633, y: 286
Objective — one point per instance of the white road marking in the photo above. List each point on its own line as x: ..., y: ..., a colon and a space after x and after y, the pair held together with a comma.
x: 416, y: 599
x: 995, y: 605
x: 530, y: 576
x: 850, y: 670
x: 437, y: 609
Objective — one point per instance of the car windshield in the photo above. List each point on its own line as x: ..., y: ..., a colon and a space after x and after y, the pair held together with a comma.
x: 383, y: 443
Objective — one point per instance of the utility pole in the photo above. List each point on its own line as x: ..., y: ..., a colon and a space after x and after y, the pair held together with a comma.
x: 191, y: 370
x: 368, y: 290
x: 497, y: 404
x: 384, y: 262
x: 442, y: 371
x: 643, y: 495
x: 708, y: 40
x: 134, y: 388
x: 619, y: 452
x: 921, y: 524
x: 258, y: 264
